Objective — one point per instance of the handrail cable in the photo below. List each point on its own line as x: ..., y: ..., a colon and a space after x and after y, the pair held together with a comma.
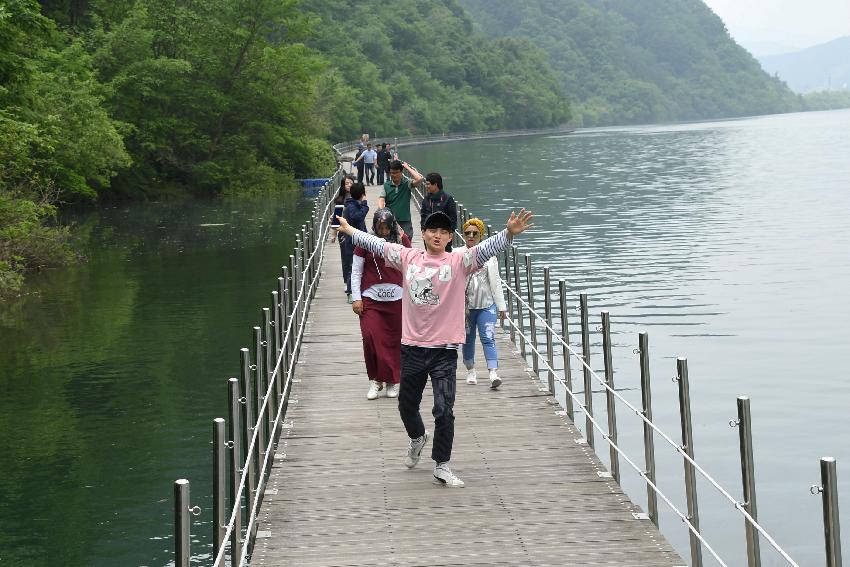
x: 607, y: 438
x: 641, y: 415
x: 237, y: 508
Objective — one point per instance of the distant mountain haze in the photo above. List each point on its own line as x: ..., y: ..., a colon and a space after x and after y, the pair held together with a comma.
x: 818, y: 68
x: 640, y: 62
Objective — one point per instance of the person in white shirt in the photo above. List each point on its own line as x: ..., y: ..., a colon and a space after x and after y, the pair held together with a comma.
x: 484, y: 298
x: 369, y: 157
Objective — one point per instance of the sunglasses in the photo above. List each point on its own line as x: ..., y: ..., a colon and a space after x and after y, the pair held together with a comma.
x: 471, y: 233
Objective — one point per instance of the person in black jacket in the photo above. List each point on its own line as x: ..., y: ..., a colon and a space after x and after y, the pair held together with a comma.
x: 356, y: 208
x: 438, y: 200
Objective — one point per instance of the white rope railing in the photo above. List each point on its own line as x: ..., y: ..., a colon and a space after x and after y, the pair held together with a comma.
x: 679, y: 449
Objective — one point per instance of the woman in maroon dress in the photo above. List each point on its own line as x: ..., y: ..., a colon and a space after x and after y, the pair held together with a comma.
x: 376, y: 290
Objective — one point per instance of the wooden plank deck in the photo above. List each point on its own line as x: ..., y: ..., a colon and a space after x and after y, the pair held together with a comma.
x: 340, y: 495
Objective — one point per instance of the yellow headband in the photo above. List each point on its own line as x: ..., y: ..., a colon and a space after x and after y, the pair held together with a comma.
x: 478, y: 223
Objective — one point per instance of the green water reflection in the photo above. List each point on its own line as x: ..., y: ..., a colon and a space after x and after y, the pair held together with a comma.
x: 113, y: 369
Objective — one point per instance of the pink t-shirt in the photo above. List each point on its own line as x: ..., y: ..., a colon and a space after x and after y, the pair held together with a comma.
x: 433, y: 308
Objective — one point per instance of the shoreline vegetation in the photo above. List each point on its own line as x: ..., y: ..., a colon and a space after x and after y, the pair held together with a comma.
x: 121, y: 100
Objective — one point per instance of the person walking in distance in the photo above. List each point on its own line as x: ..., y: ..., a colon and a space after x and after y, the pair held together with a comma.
x: 432, y: 325
x: 395, y: 194
x: 356, y: 209
x: 369, y: 157
x: 383, y: 164
x: 376, y: 290
x: 438, y: 200
x: 484, y: 298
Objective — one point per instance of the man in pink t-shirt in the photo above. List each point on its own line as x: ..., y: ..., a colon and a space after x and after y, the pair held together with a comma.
x: 433, y: 327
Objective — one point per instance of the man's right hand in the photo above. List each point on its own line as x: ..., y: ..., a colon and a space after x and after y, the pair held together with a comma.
x: 357, y: 307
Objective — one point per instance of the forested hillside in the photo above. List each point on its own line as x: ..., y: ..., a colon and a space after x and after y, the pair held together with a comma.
x: 137, y: 99
x: 118, y: 99
x: 637, y: 62
x: 418, y: 66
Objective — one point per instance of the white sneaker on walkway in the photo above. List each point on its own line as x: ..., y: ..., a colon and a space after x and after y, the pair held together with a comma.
x: 374, y: 388
x: 392, y: 390
x: 471, y: 376
x: 414, y: 450
x: 495, y: 381
x: 444, y: 475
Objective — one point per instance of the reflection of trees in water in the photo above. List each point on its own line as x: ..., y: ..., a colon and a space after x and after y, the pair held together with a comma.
x: 105, y: 359
x: 222, y: 223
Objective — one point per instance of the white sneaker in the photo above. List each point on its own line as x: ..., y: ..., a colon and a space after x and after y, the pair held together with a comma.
x: 414, y: 450
x: 444, y: 475
x: 471, y: 376
x: 374, y: 387
x: 392, y: 390
x: 495, y: 381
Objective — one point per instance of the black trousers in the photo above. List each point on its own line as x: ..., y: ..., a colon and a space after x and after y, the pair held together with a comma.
x: 370, y: 173
x: 346, y: 250
x: 381, y: 171
x: 417, y: 363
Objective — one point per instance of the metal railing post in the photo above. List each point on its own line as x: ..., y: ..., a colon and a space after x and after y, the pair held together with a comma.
x: 688, y: 447
x: 181, y: 523
x: 588, y: 385
x: 219, y: 483
x: 565, y: 352
x: 259, y: 394
x: 235, y: 420
x: 518, y: 289
x: 648, y: 438
x: 270, y: 338
x: 831, y: 525
x: 744, y: 424
x: 510, y: 296
x: 547, y: 304
x: 532, y: 320
x: 611, y: 405
x: 247, y: 433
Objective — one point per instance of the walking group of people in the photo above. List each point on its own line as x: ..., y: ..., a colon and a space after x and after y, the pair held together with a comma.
x: 418, y: 308
x: 372, y: 162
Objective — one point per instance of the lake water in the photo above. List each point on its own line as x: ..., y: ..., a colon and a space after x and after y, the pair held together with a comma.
x: 112, y: 373
x: 729, y: 243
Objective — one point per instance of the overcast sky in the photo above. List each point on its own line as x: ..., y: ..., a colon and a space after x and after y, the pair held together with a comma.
x: 771, y: 25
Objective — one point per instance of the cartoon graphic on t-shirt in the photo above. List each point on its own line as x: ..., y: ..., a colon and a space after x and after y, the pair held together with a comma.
x: 422, y: 291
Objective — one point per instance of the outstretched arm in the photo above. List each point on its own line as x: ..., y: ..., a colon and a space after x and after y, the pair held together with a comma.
x: 517, y: 223
x: 363, y: 240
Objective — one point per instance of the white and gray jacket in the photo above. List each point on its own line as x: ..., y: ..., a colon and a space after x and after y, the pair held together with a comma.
x: 484, y: 288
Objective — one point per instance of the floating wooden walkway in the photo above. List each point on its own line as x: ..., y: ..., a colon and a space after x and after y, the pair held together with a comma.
x: 340, y: 495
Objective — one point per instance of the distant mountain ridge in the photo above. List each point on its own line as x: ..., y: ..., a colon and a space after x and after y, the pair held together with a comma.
x: 821, y: 67
x: 640, y: 62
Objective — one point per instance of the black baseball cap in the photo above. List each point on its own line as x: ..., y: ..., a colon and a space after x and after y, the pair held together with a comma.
x: 437, y: 219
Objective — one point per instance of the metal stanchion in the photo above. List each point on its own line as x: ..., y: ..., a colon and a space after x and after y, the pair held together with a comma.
x: 565, y: 352
x: 518, y: 289
x: 532, y: 320
x: 247, y: 431
x: 259, y: 394
x: 510, y: 297
x: 611, y: 405
x: 235, y: 420
x: 181, y: 523
x: 219, y: 483
x: 547, y: 304
x: 745, y: 436
x: 269, y: 338
x: 831, y: 525
x: 648, y: 438
x: 688, y: 447
x: 588, y: 384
